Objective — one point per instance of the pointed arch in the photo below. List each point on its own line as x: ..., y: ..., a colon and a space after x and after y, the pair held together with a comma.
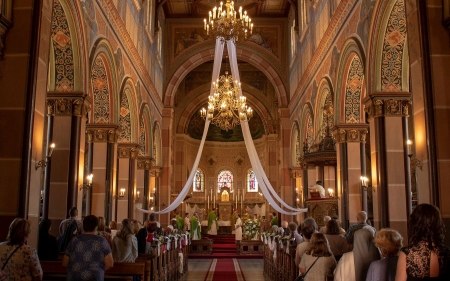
x: 324, y: 110
x: 307, y: 126
x: 251, y: 182
x: 225, y: 178
x: 127, y: 117
x: 295, y: 144
x: 199, y: 181
x: 157, y: 144
x: 145, y: 133
x: 350, y: 84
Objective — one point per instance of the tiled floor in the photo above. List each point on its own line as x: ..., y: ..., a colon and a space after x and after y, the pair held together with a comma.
x: 252, y: 268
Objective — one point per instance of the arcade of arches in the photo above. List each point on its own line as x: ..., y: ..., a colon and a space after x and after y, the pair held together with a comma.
x: 337, y: 88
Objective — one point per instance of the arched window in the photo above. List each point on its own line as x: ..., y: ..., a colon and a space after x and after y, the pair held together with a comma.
x: 225, y: 179
x: 252, y: 183
x: 199, y: 181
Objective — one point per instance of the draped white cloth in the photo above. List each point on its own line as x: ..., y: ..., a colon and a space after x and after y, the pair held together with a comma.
x: 263, y: 181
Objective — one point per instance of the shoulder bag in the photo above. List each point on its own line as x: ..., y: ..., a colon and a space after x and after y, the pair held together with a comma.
x: 3, y: 275
x: 302, y: 277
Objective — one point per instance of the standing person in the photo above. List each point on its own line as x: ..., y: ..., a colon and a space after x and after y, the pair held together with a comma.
x: 141, y: 237
x: 233, y: 221
x: 319, y: 188
x: 73, y: 214
x: 47, y: 245
x: 187, y: 222
x: 18, y: 260
x: 338, y: 244
x: 101, y: 229
x: 389, y: 242
x: 238, y: 228
x: 294, y: 233
x: 212, y: 224
x: 180, y: 222
x: 284, y: 225
x: 325, y: 220
x: 195, y: 228
x: 318, y: 259
x: 307, y: 233
x: 361, y: 219
x: 426, y: 257
x: 125, y: 247
x: 273, y: 219
x: 88, y: 255
x: 113, y: 228
x: 353, y: 266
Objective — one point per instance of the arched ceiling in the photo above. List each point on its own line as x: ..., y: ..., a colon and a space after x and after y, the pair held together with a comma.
x: 200, y: 8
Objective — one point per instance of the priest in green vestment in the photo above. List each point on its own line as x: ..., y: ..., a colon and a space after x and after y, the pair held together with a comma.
x: 212, y: 223
x: 180, y: 223
x: 274, y: 219
x: 196, y: 233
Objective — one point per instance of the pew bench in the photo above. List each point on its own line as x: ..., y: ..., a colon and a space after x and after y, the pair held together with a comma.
x: 53, y: 270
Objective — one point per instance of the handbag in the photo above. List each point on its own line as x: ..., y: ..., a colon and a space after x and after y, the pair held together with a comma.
x: 3, y: 275
x: 302, y: 277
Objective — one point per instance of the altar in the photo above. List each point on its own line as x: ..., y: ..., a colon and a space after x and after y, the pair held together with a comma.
x: 224, y: 227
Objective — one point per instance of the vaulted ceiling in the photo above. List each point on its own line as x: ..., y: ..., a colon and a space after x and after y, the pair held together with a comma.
x: 200, y: 8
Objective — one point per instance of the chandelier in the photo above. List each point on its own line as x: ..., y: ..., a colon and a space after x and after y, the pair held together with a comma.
x: 228, y: 23
x: 225, y: 110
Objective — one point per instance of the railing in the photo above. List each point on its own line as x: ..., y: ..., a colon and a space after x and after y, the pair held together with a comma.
x: 279, y: 258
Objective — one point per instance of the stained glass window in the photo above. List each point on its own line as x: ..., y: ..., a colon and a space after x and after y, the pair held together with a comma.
x: 252, y: 183
x: 225, y: 179
x: 199, y: 181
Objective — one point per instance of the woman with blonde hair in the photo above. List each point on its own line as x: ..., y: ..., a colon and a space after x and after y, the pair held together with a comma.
x: 318, y: 262
x: 101, y: 229
x: 389, y: 242
x: 125, y: 247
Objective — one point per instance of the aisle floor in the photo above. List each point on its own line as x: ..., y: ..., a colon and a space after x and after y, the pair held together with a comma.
x: 253, y: 269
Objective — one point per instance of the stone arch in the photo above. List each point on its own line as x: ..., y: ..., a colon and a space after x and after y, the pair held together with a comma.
x: 207, y: 55
x: 66, y: 66
x: 145, y: 131
x: 127, y: 117
x: 157, y: 144
x: 295, y: 144
x: 103, y: 90
x: 307, y: 127
x: 388, y: 52
x: 324, y: 107
x: 350, y: 87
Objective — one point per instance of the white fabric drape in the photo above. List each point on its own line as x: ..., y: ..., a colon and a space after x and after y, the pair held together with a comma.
x: 216, y: 70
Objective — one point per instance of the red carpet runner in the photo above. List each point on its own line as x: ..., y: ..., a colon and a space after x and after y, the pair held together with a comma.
x: 225, y: 269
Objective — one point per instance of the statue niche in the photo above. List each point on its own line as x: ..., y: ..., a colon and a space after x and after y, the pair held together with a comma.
x: 225, y: 196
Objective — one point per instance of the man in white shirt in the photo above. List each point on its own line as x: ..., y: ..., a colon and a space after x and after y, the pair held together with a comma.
x: 319, y: 188
x: 187, y: 222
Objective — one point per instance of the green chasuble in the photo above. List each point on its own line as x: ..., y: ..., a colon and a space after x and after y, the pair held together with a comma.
x: 180, y: 223
x: 195, y: 226
x: 274, y: 221
x: 211, y: 218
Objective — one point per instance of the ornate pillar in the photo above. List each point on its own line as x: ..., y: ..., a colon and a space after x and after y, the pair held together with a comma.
x: 165, y: 190
x: 144, y: 165
x: 280, y: 158
x: 350, y: 167
x: 127, y: 154
x: 103, y: 140
x: 67, y: 173
x: 386, y: 111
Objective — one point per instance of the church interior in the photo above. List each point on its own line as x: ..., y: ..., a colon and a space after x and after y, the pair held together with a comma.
x: 100, y: 109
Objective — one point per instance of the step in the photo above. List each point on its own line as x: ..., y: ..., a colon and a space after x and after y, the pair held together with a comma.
x: 224, y: 256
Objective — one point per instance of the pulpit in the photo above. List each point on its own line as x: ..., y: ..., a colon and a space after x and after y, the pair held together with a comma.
x: 321, y: 207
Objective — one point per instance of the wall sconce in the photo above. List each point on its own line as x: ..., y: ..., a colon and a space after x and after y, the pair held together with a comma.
x: 330, y: 192
x: 151, y: 199
x: 43, y: 163
x: 122, y: 192
x: 138, y: 195
x: 364, y: 181
x: 409, y: 143
x: 88, y: 184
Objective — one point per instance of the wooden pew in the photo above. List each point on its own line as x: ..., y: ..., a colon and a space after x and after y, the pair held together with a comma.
x: 53, y: 270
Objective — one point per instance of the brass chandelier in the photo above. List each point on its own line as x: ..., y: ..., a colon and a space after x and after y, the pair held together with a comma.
x: 226, y: 23
x: 225, y: 110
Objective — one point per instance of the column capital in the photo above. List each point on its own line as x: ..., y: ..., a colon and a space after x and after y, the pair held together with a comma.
x: 155, y: 171
x: 356, y: 132
x: 128, y: 150
x: 145, y: 162
x: 388, y: 104
x: 296, y: 172
x: 68, y: 103
x: 102, y: 133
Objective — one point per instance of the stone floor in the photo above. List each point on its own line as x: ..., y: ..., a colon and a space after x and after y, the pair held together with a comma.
x: 252, y: 268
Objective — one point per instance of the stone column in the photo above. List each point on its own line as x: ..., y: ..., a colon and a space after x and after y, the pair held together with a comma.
x: 166, y: 164
x: 104, y: 148
x: 280, y: 160
x: 144, y: 165
x: 350, y: 155
x: 386, y: 111
x: 127, y: 154
x: 70, y: 110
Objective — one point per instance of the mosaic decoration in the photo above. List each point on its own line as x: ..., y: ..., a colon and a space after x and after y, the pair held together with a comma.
x: 394, y: 41
x: 100, y: 88
x: 125, y: 118
x: 63, y: 51
x: 353, y: 91
x: 185, y: 38
x: 142, y: 145
x: 199, y: 181
x: 297, y: 149
x: 225, y: 179
x: 252, y: 183
x: 327, y: 114
x: 268, y: 38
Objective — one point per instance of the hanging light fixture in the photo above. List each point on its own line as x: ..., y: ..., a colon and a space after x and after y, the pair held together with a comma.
x: 226, y: 23
x: 225, y: 110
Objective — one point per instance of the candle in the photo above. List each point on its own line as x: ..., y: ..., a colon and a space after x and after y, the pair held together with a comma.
x: 208, y: 202
x: 214, y: 12
x: 209, y: 19
x: 204, y: 25
x: 207, y: 29
x: 240, y: 12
